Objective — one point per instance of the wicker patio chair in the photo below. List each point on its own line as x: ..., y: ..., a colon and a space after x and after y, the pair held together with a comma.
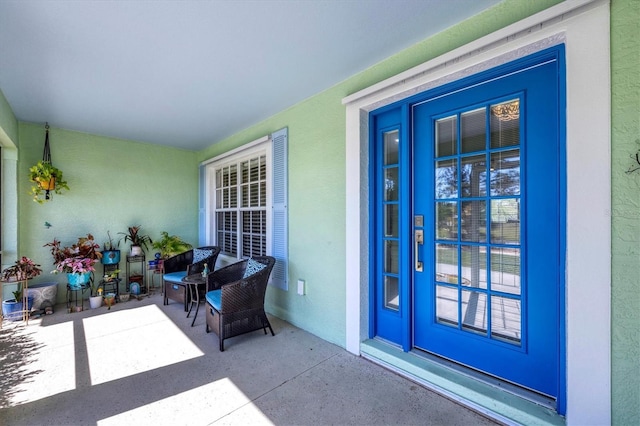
x: 179, y: 266
x: 235, y: 298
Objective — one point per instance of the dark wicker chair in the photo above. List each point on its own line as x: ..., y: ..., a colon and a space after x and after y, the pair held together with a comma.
x: 178, y: 267
x: 235, y: 304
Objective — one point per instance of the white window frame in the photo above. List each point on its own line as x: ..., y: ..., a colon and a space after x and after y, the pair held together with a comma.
x: 259, y: 147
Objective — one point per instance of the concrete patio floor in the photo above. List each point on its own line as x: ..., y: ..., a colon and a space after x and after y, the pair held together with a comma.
x: 142, y: 363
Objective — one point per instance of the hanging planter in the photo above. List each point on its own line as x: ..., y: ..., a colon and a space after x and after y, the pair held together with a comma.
x: 45, y: 176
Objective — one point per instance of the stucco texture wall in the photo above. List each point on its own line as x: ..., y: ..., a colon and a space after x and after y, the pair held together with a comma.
x: 625, y: 213
x: 113, y: 184
x: 8, y: 123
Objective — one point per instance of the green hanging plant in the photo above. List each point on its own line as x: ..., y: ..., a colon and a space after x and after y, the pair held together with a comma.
x: 46, y: 178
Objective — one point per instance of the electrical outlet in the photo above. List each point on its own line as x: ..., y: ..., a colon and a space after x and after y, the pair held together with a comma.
x: 301, y: 287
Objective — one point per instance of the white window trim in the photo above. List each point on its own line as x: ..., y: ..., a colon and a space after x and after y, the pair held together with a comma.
x: 584, y: 27
x: 262, y: 146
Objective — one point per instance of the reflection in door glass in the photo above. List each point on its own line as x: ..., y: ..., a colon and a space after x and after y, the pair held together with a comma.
x: 391, y: 142
x: 474, y: 311
x: 477, y: 221
x: 473, y: 176
x: 505, y: 221
x: 447, y: 220
x: 474, y: 266
x: 447, y: 136
x: 505, y: 172
x: 390, y: 222
x: 391, y: 294
x: 391, y: 185
x: 446, y: 179
x: 505, y: 124
x: 505, y: 270
x: 447, y: 305
x: 473, y: 218
x: 506, y: 317
x: 473, y: 129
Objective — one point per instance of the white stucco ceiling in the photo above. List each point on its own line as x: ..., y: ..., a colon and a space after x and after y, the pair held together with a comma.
x: 190, y: 73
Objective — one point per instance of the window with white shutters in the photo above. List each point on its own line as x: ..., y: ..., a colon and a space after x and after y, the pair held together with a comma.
x: 243, y: 203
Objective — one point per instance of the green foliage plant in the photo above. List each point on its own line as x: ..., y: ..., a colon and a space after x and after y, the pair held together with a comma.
x: 170, y: 245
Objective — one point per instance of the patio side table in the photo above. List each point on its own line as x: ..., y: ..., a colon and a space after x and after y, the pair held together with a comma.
x: 194, y: 281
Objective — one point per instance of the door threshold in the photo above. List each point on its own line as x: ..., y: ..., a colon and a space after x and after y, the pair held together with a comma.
x: 485, y: 398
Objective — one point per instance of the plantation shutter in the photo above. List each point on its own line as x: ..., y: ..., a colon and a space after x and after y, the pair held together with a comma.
x: 279, y: 240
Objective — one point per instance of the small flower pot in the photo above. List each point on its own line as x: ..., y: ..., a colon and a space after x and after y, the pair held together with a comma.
x: 95, y: 302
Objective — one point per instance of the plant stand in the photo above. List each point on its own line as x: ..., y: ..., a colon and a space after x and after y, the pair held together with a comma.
x: 156, y: 269
x: 112, y: 286
x: 140, y: 277
x: 25, y: 299
x: 72, y: 297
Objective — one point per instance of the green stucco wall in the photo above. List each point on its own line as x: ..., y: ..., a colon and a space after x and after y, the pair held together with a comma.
x: 113, y: 184
x: 625, y: 211
x: 8, y: 123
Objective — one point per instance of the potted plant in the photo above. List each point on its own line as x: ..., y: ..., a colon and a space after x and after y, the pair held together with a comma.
x: 76, y: 261
x: 46, y: 178
x: 170, y: 245
x: 22, y: 269
x: 136, y: 239
x: 110, y: 254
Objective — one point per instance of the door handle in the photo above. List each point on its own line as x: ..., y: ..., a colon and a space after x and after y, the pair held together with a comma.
x: 418, y: 239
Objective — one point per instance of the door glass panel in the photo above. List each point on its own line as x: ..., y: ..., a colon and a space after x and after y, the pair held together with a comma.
x: 447, y: 136
x: 505, y: 124
x: 474, y: 266
x: 473, y: 218
x: 391, y: 142
x: 447, y: 220
x: 505, y: 221
x: 505, y: 172
x: 506, y: 318
x: 391, y: 187
x: 473, y: 176
x: 446, y: 179
x: 477, y: 214
x: 391, y: 295
x: 472, y: 127
x: 391, y: 256
x: 447, y: 305
x: 505, y: 270
x: 447, y: 263
x: 391, y: 220
x: 474, y: 311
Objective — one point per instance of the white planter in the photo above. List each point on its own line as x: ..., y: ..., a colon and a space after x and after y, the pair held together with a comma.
x: 95, y: 302
x: 136, y: 250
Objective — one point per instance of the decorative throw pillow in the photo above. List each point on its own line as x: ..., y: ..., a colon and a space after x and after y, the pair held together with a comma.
x: 253, y: 266
x: 200, y: 254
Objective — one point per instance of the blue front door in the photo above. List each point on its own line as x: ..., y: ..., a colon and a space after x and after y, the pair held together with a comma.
x: 476, y: 185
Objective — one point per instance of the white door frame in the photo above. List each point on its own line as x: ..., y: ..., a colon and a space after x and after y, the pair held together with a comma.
x: 583, y: 26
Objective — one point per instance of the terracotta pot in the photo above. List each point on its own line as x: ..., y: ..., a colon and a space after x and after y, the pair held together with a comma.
x: 47, y: 184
